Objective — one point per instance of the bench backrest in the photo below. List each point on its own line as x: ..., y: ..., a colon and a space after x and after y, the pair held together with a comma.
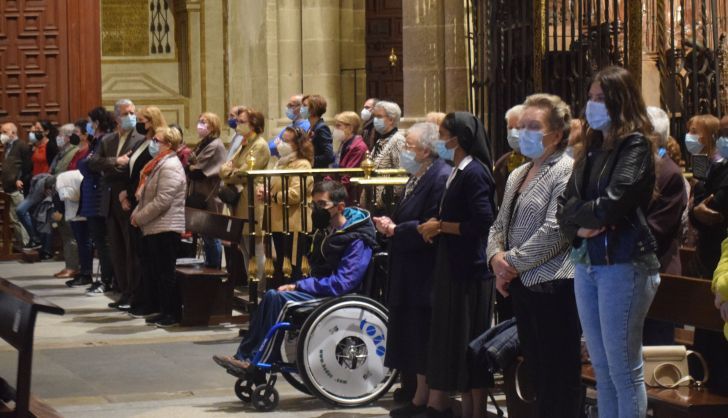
x: 18, y: 309
x: 686, y: 300
x: 214, y: 225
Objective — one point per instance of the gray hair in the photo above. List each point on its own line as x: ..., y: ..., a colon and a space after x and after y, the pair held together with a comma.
x: 119, y: 104
x: 428, y: 133
x: 392, y: 110
x: 516, y: 110
x: 661, y: 124
x: 66, y: 130
x: 298, y: 97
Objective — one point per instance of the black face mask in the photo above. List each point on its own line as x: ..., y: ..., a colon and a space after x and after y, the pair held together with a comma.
x: 141, y: 128
x: 321, y: 218
x: 75, y: 139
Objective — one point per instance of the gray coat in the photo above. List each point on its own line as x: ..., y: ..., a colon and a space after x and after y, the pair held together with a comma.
x: 162, y: 202
x: 208, y: 160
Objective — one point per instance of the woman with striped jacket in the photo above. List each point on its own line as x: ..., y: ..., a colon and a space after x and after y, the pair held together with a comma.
x: 529, y: 257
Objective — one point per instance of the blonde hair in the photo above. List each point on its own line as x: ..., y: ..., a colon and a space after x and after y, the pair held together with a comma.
x: 155, y: 117
x: 350, y: 119
x: 435, y: 117
x: 708, y: 124
x: 213, y: 123
x: 558, y: 114
x: 169, y: 135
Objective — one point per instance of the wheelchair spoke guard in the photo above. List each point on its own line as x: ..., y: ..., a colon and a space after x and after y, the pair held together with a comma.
x: 341, y: 351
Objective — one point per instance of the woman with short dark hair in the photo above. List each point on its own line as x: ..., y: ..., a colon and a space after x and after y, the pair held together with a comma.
x: 313, y: 107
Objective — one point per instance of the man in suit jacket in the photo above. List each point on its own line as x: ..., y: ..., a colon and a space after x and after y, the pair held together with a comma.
x: 16, y: 172
x: 112, y: 161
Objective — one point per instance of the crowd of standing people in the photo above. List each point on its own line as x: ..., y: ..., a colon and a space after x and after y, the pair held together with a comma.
x: 569, y: 231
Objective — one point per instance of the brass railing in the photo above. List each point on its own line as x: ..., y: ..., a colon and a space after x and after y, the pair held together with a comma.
x: 367, y: 177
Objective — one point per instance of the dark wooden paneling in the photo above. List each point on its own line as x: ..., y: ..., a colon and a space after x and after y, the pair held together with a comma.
x: 49, y: 60
x: 384, y: 32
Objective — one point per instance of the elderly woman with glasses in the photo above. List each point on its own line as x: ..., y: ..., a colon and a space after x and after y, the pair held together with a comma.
x: 160, y: 214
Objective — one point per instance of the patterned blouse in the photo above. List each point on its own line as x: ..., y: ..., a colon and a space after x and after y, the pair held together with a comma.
x: 526, y: 227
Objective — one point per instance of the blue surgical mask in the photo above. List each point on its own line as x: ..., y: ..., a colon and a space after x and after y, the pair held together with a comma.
x: 153, y: 148
x: 597, y: 115
x: 531, y: 143
x: 60, y: 142
x: 232, y: 123
x: 569, y: 151
x: 32, y: 138
x: 379, y: 125
x: 90, y: 128
x: 290, y: 114
x: 304, y: 112
x: 661, y: 152
x: 443, y: 151
x: 722, y: 145
x: 128, y: 122
x: 513, y: 140
x: 693, y: 144
x: 408, y: 162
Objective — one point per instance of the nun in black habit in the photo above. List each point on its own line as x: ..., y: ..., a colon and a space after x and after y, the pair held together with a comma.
x: 462, y: 294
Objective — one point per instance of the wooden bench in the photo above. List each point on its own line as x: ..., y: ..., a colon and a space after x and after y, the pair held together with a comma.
x: 682, y: 300
x: 18, y: 310
x: 207, y: 293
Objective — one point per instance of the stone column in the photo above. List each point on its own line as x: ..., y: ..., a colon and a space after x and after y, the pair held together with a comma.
x: 290, y: 76
x: 321, y: 53
x: 187, y: 38
x: 434, y: 58
x: 212, y: 58
x: 353, y: 54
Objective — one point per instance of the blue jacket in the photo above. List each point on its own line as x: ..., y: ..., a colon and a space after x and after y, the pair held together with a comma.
x: 411, y: 259
x: 345, y: 256
x: 469, y: 201
x: 92, y: 187
x: 323, y: 147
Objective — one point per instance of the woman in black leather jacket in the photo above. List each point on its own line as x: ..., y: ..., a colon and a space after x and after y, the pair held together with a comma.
x: 602, y: 213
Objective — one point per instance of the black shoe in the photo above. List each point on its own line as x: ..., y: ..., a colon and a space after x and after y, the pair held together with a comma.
x: 45, y: 256
x: 79, y: 281
x: 32, y: 245
x: 152, y: 320
x: 124, y: 307
x: 434, y: 413
x: 167, y: 321
x: 403, y: 395
x: 118, y: 303
x: 408, y: 410
x: 141, y: 312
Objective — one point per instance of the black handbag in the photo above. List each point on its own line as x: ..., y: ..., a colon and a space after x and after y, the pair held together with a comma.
x: 196, y: 201
x: 229, y: 194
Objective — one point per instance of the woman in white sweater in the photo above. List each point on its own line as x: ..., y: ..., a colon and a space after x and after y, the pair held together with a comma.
x: 161, y: 216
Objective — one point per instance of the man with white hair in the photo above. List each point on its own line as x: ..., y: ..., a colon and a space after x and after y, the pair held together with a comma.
x: 67, y: 147
x: 16, y: 172
x: 664, y: 212
x: 112, y: 161
x: 512, y: 159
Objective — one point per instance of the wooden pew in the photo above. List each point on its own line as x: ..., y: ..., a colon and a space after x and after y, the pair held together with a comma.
x: 207, y: 293
x: 18, y: 310
x: 682, y: 300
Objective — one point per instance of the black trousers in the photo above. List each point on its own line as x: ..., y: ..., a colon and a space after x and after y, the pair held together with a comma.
x: 162, y: 251
x: 550, y: 335
x: 99, y: 236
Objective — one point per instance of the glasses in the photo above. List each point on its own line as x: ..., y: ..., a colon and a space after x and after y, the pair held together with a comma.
x: 321, y: 204
x: 159, y: 141
x: 291, y: 106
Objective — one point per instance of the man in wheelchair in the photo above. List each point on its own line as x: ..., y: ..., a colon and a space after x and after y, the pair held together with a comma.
x: 343, y: 242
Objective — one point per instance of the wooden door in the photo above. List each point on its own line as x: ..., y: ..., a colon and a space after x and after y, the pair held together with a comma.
x: 384, y: 36
x: 50, y: 62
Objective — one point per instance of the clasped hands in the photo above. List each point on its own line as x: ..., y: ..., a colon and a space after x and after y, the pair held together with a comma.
x: 384, y: 225
x: 705, y: 214
x: 504, y: 273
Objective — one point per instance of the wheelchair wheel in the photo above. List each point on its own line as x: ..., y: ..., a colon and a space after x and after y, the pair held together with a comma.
x: 244, y: 390
x: 265, y: 398
x: 341, y: 351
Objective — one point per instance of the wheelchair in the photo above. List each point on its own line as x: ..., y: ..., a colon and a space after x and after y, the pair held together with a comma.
x: 330, y: 348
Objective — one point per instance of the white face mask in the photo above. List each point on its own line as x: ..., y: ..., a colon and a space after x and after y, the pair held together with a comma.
x: 4, y: 139
x: 365, y: 114
x: 284, y: 149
